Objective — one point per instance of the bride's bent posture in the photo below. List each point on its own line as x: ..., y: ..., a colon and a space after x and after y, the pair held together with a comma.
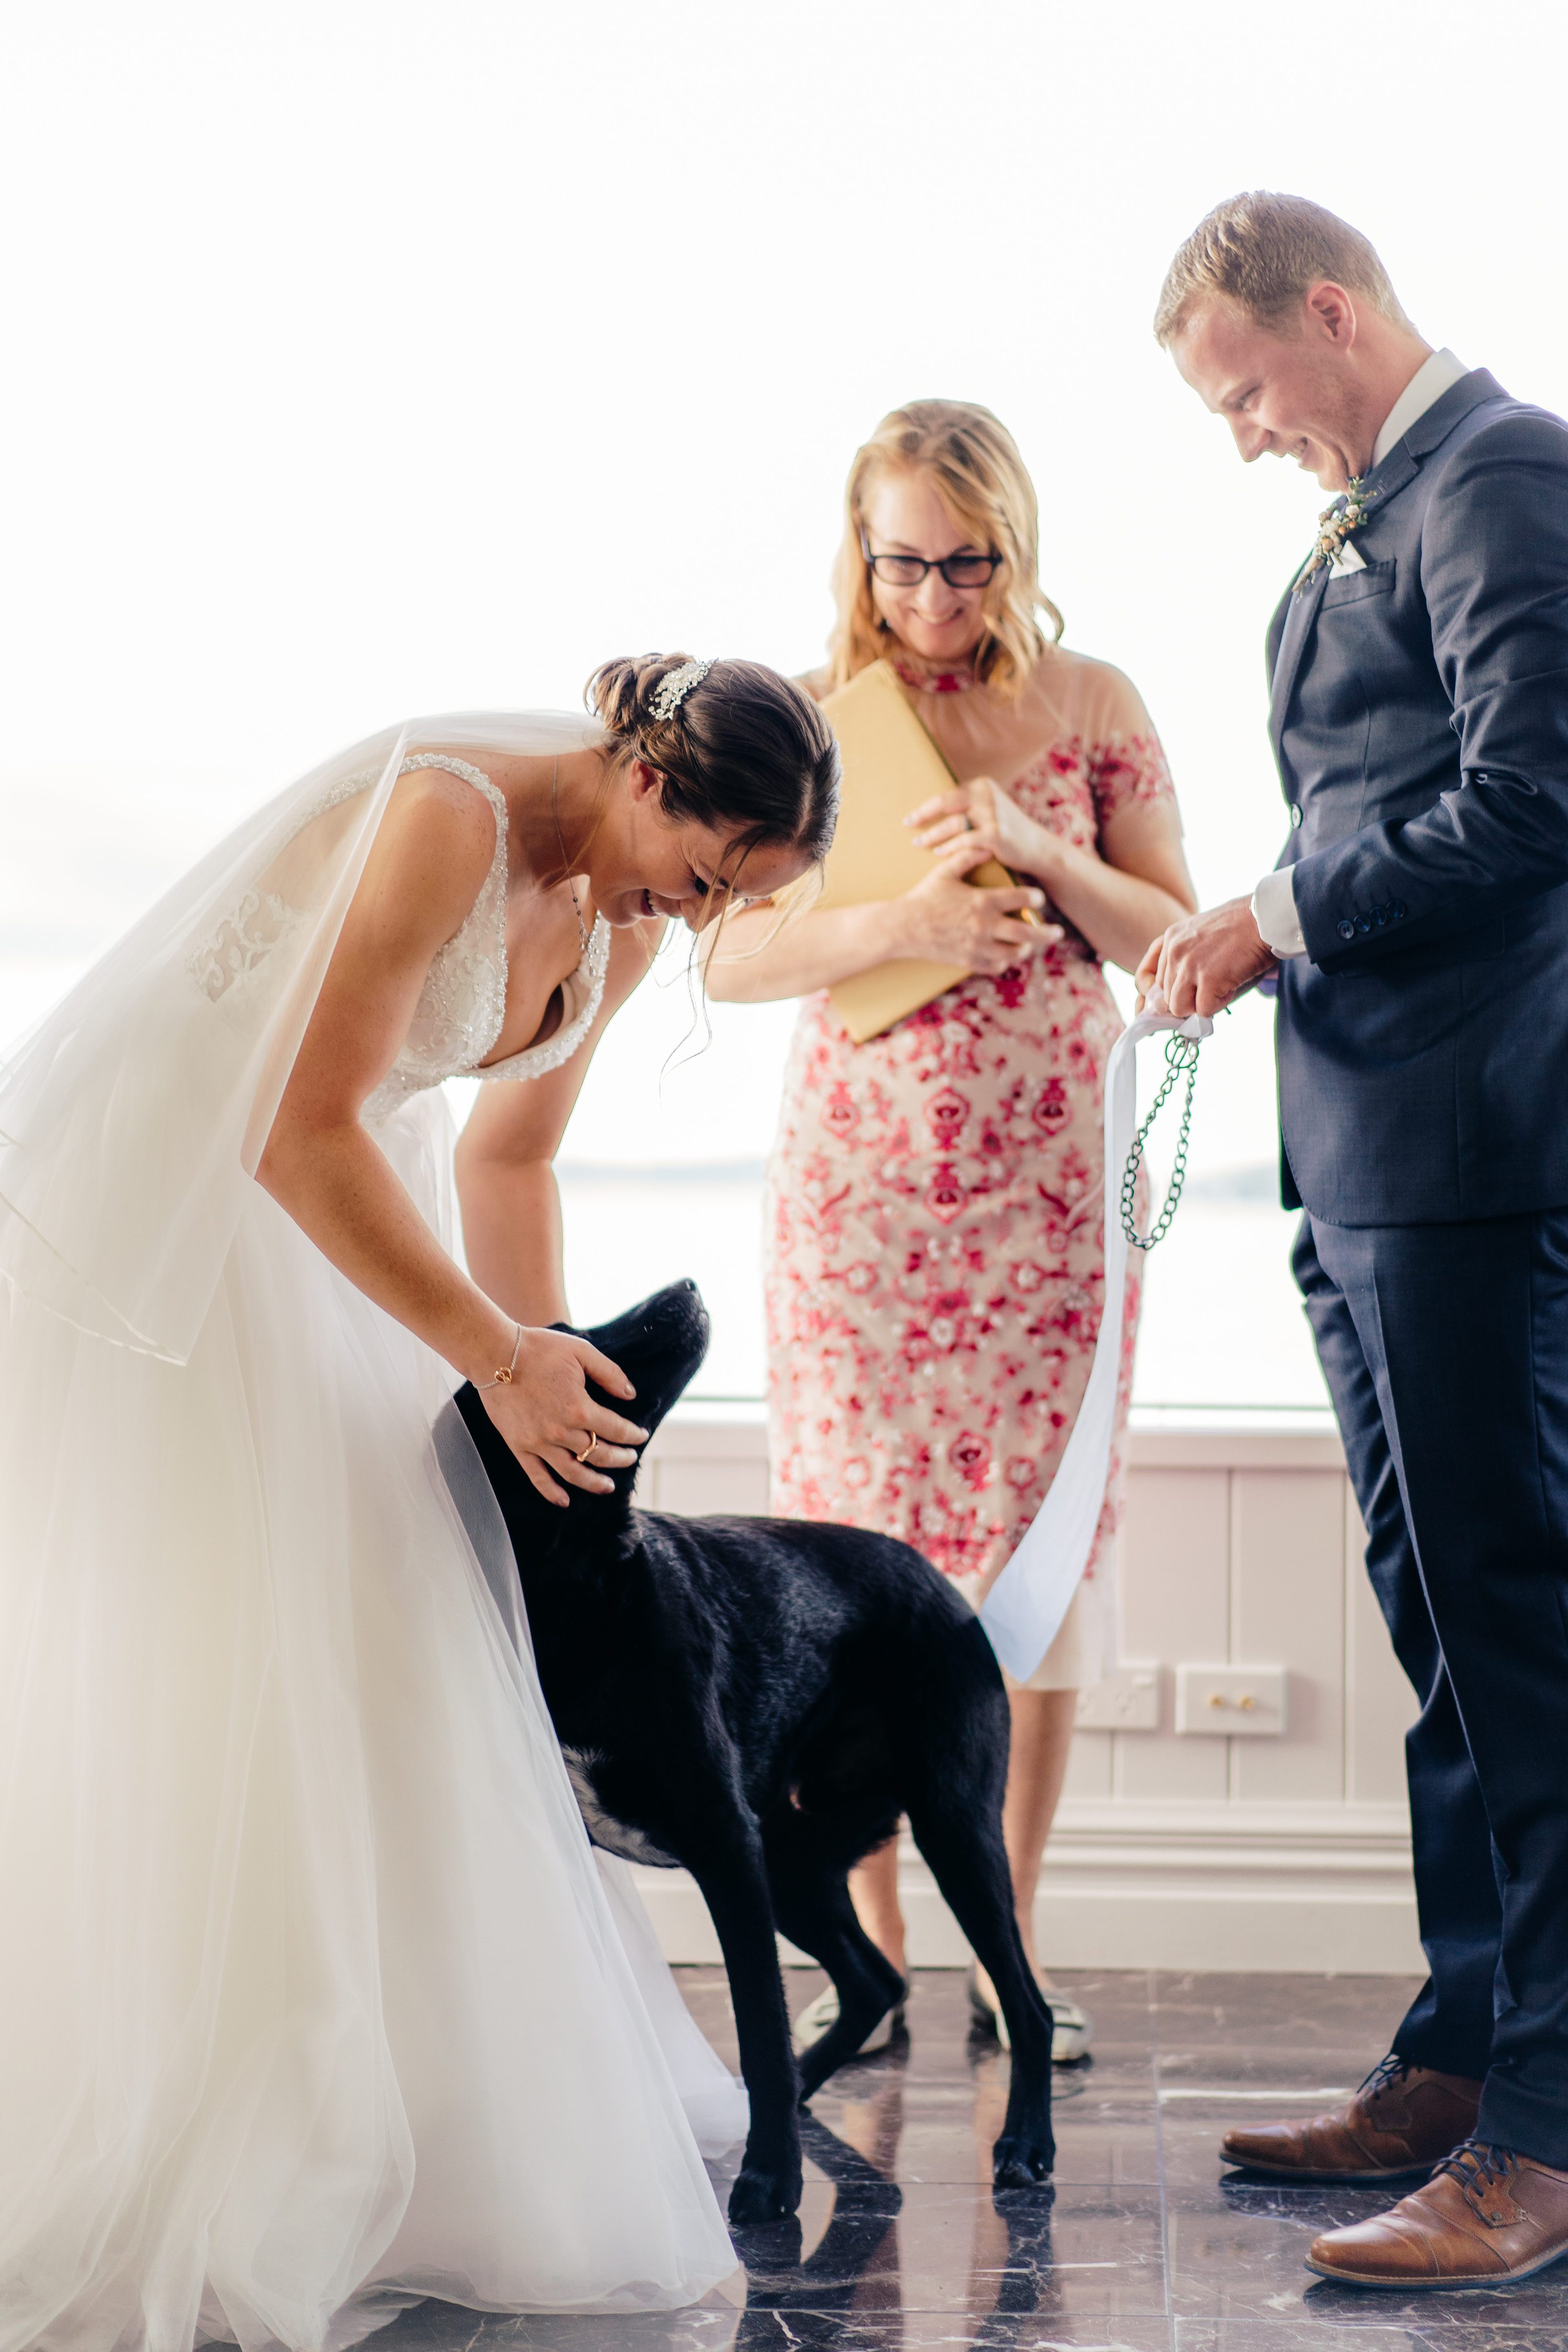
x: 314, y: 1995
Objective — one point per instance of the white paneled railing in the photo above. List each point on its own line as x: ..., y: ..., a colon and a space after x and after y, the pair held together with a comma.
x: 1269, y: 1835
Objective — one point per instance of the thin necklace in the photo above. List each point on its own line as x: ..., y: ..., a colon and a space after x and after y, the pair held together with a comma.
x: 565, y: 861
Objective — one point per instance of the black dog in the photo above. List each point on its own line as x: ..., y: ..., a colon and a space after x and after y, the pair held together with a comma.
x: 760, y: 1700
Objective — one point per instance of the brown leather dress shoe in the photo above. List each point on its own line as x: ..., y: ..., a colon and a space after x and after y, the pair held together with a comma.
x: 1486, y: 2214
x: 1401, y: 2120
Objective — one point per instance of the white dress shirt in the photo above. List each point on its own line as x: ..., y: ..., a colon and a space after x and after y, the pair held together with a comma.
x: 1274, y: 900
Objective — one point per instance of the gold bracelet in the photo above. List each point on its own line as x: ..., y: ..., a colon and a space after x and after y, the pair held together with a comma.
x: 504, y: 1371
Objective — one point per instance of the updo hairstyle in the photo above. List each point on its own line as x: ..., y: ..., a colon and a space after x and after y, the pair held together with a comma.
x: 743, y: 750
x: 974, y: 464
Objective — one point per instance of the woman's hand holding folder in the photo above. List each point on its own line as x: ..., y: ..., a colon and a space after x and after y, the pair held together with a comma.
x: 1118, y: 896
x: 981, y: 812
x: 945, y: 919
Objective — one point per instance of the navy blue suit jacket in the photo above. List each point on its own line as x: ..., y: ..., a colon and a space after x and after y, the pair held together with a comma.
x: 1420, y: 723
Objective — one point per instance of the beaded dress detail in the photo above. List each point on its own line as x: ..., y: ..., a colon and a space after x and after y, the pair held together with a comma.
x: 463, y: 1001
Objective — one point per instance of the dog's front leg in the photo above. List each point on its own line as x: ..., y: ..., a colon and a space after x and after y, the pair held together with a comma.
x: 735, y: 1884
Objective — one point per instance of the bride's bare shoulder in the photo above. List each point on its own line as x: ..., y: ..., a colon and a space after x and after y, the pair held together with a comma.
x: 432, y: 852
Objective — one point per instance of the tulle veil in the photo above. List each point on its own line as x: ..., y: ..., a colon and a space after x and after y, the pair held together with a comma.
x: 132, y: 1117
x: 313, y: 1997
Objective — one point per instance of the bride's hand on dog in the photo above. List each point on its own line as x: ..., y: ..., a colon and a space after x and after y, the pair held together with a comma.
x: 547, y: 1417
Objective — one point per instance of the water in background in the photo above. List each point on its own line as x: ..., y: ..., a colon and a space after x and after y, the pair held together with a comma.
x: 661, y: 1167
x: 1221, y: 1321
x: 661, y: 1175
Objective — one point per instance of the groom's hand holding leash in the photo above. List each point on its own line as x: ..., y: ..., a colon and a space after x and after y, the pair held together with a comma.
x: 1205, y: 960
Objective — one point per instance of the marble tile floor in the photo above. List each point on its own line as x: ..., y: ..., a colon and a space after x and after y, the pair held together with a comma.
x: 1147, y: 2242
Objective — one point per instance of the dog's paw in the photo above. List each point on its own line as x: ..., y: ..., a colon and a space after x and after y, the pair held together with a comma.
x: 1018, y: 2163
x: 759, y: 2196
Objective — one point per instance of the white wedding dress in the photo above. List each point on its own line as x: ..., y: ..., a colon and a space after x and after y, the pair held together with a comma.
x: 313, y: 1997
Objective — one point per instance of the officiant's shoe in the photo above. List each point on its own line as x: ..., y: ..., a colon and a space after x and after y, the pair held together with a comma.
x: 821, y: 2015
x: 1402, y: 2119
x: 1072, y: 2028
x: 1487, y: 2215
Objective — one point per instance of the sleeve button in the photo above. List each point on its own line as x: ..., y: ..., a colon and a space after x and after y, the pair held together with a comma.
x: 1346, y: 930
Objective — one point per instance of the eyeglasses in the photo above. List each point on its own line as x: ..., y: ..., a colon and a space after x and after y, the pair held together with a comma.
x: 908, y: 570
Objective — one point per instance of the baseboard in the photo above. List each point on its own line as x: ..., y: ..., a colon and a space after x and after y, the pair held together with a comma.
x: 1309, y: 1889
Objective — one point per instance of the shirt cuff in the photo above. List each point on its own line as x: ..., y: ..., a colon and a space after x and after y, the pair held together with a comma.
x: 1274, y: 912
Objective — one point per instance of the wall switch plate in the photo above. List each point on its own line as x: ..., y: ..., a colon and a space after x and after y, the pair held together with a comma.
x: 1128, y: 1701
x: 1241, y: 1702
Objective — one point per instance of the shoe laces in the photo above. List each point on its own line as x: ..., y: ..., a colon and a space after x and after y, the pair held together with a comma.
x: 1386, y: 2072
x: 1475, y: 2165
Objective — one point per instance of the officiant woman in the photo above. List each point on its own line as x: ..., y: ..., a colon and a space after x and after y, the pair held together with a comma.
x: 934, y: 1233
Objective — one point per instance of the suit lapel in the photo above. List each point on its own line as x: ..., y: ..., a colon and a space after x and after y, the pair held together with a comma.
x: 1383, y: 483
x: 1434, y: 427
x: 1302, y: 612
x: 1398, y: 470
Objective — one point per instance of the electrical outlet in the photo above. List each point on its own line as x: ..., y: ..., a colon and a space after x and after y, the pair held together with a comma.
x: 1129, y: 1701
x: 1239, y: 1702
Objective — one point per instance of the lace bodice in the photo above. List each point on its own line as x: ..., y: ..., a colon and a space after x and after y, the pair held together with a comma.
x: 462, y: 1004
x: 463, y: 1001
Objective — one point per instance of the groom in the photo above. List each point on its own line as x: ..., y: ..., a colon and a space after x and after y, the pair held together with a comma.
x: 1417, y: 924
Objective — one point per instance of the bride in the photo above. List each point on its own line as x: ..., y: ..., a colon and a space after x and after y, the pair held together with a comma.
x: 315, y: 2000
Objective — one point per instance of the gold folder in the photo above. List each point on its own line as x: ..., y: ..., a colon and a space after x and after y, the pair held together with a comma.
x: 890, y: 766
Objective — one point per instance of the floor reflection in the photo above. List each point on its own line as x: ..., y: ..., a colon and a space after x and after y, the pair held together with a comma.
x: 1146, y: 2244
x: 854, y: 2265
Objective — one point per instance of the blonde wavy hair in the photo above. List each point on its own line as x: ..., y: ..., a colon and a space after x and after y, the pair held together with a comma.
x: 1263, y: 251
x: 985, y: 486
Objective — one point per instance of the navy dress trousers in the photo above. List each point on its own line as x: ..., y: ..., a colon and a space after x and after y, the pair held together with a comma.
x: 1420, y: 723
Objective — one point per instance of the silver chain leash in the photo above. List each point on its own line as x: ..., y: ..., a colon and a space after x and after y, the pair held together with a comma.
x: 1181, y: 1053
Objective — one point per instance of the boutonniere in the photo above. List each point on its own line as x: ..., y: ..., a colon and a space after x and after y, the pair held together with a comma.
x: 1335, y: 525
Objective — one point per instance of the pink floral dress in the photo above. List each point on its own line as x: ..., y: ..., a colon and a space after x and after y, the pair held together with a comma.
x: 933, y: 1240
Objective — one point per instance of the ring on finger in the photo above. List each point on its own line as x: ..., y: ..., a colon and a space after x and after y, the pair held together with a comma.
x: 581, y: 1458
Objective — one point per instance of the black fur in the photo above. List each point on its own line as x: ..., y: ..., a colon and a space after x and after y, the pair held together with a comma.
x: 760, y: 1700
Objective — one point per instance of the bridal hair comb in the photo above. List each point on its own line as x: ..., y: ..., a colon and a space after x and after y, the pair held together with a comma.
x: 672, y: 691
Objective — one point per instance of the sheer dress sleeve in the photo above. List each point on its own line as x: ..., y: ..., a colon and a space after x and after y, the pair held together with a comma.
x: 1123, y: 756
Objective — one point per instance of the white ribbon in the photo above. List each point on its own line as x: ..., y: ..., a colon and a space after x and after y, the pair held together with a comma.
x: 1024, y: 1610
